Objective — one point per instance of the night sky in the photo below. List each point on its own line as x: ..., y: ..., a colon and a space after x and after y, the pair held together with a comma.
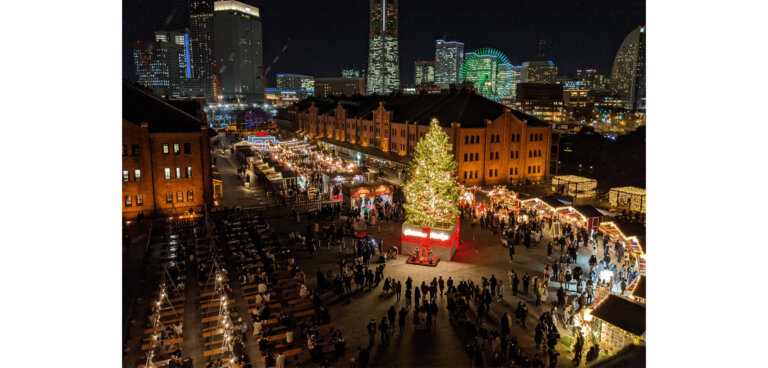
x: 326, y: 35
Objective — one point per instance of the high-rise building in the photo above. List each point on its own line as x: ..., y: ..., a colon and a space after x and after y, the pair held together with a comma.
x: 354, y: 71
x: 383, y: 55
x: 201, y: 47
x: 296, y: 82
x: 539, y: 72
x: 489, y: 71
x: 448, y: 58
x: 163, y: 65
x: 423, y: 73
x: 238, y: 51
x: 590, y: 79
x: 628, y: 75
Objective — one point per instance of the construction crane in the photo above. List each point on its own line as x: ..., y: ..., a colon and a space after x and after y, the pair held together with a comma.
x: 274, y: 61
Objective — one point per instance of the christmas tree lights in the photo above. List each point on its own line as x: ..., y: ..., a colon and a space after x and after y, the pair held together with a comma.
x: 432, y: 192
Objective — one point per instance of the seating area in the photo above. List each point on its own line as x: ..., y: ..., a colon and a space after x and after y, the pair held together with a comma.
x: 248, y: 286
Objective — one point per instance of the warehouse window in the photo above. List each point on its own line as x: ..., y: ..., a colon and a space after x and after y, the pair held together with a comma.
x: 139, y: 200
x: 187, y: 148
x: 128, y: 202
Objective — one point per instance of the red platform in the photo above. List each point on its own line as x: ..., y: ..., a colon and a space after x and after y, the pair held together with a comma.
x: 435, y: 260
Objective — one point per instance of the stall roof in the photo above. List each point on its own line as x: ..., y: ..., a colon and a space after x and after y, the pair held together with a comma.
x: 639, y: 291
x: 588, y: 211
x: 623, y: 313
x: 367, y: 184
x: 553, y: 201
x: 633, y: 229
x: 632, y: 356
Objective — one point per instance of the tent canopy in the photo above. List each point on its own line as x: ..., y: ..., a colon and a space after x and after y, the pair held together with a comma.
x: 623, y: 313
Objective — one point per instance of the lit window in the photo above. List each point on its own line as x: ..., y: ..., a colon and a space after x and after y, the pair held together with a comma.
x: 128, y: 202
x: 137, y: 175
x: 178, y: 173
x: 167, y: 173
x: 126, y: 175
x: 168, y: 197
x: 190, y: 196
x: 139, y: 200
x: 189, y: 171
x: 179, y: 197
x: 165, y: 148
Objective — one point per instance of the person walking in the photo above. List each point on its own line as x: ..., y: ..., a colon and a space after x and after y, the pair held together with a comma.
x: 398, y: 289
x: 441, y: 284
x: 401, y: 320
x: 371, y: 331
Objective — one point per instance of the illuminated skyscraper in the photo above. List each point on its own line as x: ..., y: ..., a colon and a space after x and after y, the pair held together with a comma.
x: 201, y: 46
x: 238, y: 51
x: 383, y: 55
x: 448, y: 58
x: 354, y: 71
x: 539, y: 72
x: 423, y: 72
x: 163, y: 64
x: 628, y: 76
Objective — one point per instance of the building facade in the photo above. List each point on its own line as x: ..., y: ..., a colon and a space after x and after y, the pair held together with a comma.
x: 590, y: 79
x: 354, y: 71
x: 163, y: 64
x: 383, y: 53
x: 539, y: 72
x: 448, y: 58
x: 325, y: 87
x: 296, y: 82
x: 423, y: 73
x: 492, y: 144
x: 545, y: 101
x: 238, y: 51
x: 166, y: 156
x: 628, y: 74
x: 201, y: 47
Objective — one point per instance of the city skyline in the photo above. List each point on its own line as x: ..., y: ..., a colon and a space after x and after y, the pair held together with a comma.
x: 587, y: 41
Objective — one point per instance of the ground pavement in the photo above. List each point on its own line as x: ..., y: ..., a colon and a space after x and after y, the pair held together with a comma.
x: 479, y: 254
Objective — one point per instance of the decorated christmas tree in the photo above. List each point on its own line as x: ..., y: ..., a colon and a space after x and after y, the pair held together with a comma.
x: 432, y: 192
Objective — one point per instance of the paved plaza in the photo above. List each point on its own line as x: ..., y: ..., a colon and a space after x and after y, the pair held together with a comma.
x: 480, y: 253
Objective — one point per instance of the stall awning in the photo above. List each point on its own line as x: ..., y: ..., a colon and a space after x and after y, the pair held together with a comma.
x: 361, y: 234
x: 639, y: 288
x: 588, y: 211
x: 623, y: 313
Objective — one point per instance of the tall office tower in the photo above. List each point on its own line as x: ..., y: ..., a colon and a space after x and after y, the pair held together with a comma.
x: 539, y: 72
x: 423, y: 73
x: 383, y: 54
x: 238, y: 51
x: 163, y: 64
x: 201, y: 46
x: 628, y: 75
x: 517, y: 75
x: 296, y: 82
x: 448, y: 58
x: 354, y: 71
x: 591, y: 80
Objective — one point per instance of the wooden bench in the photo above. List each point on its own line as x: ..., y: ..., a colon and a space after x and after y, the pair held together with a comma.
x: 159, y: 364
x: 289, y: 353
x: 216, y: 318
x: 305, y: 313
x: 166, y: 342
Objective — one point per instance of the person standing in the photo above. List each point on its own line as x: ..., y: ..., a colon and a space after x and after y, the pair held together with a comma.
x: 398, y: 289
x: 515, y: 283
x: 371, y: 331
x: 441, y: 284
x: 401, y: 320
x: 493, y: 282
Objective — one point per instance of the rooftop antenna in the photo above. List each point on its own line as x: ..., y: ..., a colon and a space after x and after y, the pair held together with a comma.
x: 542, y: 43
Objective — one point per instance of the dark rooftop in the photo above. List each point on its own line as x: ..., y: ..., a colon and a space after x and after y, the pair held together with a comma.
x: 468, y: 108
x: 588, y: 211
x: 632, y: 356
x: 623, y: 313
x: 140, y: 105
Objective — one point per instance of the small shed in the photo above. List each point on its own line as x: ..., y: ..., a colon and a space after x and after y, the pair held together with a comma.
x: 630, y: 198
x: 575, y: 186
x: 591, y: 215
x: 621, y: 322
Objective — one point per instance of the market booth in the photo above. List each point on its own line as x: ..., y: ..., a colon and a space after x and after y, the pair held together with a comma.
x: 363, y: 194
x: 575, y: 186
x: 504, y: 200
x: 545, y: 206
x: 632, y: 235
x: 637, y: 289
x: 590, y: 215
x: 629, y: 198
x: 619, y: 322
x: 333, y: 182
